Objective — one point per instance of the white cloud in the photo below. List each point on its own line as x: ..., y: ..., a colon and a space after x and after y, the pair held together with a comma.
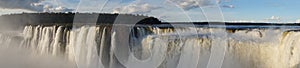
x: 19, y: 4
x: 228, y: 6
x: 218, y: 1
x: 12, y: 11
x: 32, y: 5
x: 136, y: 7
x: 273, y: 19
x: 51, y: 8
x: 191, y: 4
x: 246, y: 21
x: 298, y: 21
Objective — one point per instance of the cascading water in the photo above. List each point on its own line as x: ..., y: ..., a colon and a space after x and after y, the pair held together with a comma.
x: 150, y: 47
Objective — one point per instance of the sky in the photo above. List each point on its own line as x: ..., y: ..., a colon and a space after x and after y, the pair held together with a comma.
x: 271, y: 11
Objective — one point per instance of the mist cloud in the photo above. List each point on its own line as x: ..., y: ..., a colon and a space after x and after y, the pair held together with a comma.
x: 13, y: 57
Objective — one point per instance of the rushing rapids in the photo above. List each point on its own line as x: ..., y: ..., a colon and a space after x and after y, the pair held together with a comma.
x: 153, y: 47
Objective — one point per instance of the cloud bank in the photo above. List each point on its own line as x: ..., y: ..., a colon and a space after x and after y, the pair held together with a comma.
x: 19, y: 4
x: 191, y: 4
x: 228, y: 6
x: 32, y: 5
x: 298, y: 21
x: 274, y: 18
x: 136, y: 7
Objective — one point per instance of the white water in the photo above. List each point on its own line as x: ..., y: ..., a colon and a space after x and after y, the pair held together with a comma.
x: 13, y: 54
x: 97, y: 47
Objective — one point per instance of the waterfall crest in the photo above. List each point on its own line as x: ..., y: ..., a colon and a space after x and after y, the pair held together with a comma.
x: 94, y: 47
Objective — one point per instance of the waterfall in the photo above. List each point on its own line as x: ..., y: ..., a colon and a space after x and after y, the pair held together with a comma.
x: 154, y: 47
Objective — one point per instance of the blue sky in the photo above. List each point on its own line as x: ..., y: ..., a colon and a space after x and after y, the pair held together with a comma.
x: 287, y: 10
x: 185, y: 10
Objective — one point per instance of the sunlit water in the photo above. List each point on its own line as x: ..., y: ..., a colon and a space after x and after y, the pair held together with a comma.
x: 152, y: 47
